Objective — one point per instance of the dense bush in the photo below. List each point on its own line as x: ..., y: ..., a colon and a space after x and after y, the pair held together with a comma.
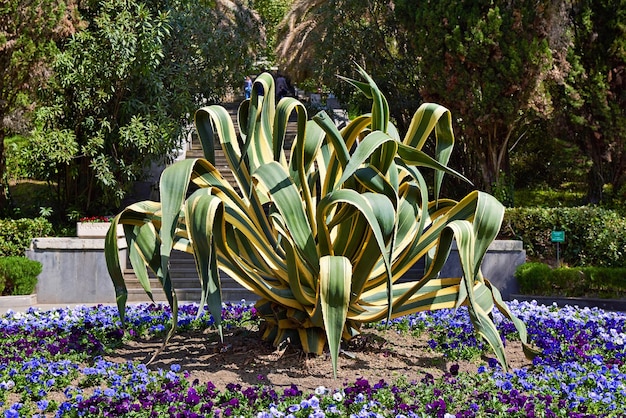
x: 570, y: 195
x: 16, y: 234
x: 540, y: 279
x: 593, y: 236
x: 18, y: 275
x: 533, y: 277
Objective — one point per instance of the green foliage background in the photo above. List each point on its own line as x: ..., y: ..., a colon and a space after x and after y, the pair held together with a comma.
x: 18, y: 275
x: 520, y: 76
x: 271, y: 13
x: 28, y: 31
x: 594, y: 282
x: 123, y: 89
x: 591, y: 93
x: 17, y: 234
x: 593, y: 236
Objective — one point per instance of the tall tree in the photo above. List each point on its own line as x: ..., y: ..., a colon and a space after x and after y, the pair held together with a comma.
x: 487, y: 62
x: 272, y: 13
x: 330, y: 36
x: 592, y: 95
x: 126, y: 87
x: 28, y: 30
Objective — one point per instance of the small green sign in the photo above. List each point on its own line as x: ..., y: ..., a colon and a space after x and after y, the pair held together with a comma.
x: 558, y: 236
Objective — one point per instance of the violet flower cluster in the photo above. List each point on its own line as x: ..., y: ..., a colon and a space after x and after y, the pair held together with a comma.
x: 52, y: 365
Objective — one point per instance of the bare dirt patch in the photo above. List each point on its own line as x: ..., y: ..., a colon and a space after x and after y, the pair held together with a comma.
x: 245, y: 359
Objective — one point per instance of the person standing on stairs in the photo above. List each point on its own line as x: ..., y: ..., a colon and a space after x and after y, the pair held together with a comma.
x: 247, y: 87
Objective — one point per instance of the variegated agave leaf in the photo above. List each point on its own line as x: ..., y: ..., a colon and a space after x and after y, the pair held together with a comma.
x: 322, y: 233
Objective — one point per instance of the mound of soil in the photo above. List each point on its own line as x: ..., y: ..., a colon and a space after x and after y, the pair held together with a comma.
x: 245, y: 359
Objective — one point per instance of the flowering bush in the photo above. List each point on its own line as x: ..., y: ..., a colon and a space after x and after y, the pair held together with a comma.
x: 51, y: 364
x: 95, y: 219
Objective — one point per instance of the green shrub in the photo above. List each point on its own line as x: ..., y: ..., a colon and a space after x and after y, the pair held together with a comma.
x: 593, y: 236
x: 596, y: 282
x: 533, y: 277
x: 15, y: 165
x: 569, y: 282
x: 549, y: 198
x: 19, y: 275
x: 16, y: 234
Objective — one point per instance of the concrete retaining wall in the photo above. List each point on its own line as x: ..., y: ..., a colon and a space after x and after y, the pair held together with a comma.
x: 74, y: 270
x: 499, y: 265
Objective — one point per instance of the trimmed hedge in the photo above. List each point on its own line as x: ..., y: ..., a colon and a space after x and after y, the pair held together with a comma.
x: 593, y: 236
x: 18, y: 275
x: 593, y: 282
x: 16, y: 234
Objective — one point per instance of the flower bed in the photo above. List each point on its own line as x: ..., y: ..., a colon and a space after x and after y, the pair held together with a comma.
x: 96, y: 229
x: 51, y: 364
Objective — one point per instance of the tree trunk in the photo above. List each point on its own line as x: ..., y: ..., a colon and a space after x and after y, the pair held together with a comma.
x: 4, y: 185
x: 496, y: 167
x: 490, y: 162
x: 594, y: 184
x: 489, y: 176
x: 602, y: 168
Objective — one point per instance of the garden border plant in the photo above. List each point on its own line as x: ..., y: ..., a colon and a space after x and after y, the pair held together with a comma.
x: 324, y: 236
x: 594, y: 236
x: 51, y: 364
x: 18, y: 275
x: 590, y: 282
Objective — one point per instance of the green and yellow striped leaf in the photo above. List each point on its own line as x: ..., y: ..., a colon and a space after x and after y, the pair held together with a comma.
x: 322, y: 234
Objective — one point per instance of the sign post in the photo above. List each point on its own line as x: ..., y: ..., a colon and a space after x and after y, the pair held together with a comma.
x: 558, y: 237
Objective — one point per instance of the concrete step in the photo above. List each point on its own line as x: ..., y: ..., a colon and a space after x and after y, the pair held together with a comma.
x: 186, y: 281
x: 188, y: 294
x: 182, y: 265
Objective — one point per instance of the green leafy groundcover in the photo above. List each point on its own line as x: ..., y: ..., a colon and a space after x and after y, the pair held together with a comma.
x: 51, y: 365
x: 590, y: 282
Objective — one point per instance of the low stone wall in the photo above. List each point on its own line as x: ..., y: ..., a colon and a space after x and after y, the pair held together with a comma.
x: 17, y: 303
x: 74, y: 270
x: 499, y: 265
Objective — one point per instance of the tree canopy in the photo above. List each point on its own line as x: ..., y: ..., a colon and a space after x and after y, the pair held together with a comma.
x: 28, y: 30
x: 485, y: 61
x: 271, y: 13
x: 330, y: 36
x: 592, y: 94
x: 124, y: 88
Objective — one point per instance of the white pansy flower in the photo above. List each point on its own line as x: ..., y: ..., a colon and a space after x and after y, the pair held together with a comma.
x: 338, y: 396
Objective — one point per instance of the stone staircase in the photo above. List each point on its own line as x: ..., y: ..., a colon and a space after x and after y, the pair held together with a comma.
x: 195, y: 148
x: 182, y: 266
x: 186, y: 282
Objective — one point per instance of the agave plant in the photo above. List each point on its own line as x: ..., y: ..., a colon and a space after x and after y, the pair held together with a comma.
x: 321, y: 234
